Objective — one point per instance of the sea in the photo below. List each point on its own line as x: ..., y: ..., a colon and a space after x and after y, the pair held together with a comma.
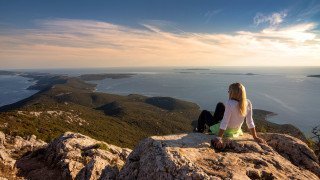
x: 285, y: 91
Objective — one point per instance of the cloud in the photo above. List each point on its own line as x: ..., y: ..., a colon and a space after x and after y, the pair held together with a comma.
x: 209, y: 14
x: 294, y: 33
x: 312, y: 10
x: 273, y: 19
x: 87, y: 43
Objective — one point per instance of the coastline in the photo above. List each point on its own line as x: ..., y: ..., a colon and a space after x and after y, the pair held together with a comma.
x: 271, y: 114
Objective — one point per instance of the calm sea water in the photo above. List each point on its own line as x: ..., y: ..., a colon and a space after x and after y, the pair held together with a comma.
x: 14, y: 88
x: 284, y: 91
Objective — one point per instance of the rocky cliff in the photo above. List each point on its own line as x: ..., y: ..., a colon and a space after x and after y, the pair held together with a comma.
x: 189, y: 156
x: 184, y: 156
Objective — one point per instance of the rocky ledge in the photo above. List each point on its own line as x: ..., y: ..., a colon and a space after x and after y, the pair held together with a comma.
x: 189, y: 156
x: 70, y: 156
x: 184, y: 156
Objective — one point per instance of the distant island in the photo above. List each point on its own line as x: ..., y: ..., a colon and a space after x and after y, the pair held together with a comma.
x: 95, y: 77
x: 251, y: 74
x: 191, y: 72
x: 247, y: 74
x: 186, y: 72
x: 317, y: 76
x: 2, y: 72
x: 194, y: 69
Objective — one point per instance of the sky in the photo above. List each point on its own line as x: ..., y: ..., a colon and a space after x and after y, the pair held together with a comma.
x: 141, y: 33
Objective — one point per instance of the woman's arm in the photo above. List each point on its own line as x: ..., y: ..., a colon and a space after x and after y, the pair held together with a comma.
x: 253, y: 132
x: 226, y: 118
x: 223, y: 126
x: 255, y: 137
x: 250, y: 124
x: 221, y: 131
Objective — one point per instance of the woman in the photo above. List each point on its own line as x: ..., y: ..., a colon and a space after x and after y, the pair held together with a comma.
x: 235, y: 110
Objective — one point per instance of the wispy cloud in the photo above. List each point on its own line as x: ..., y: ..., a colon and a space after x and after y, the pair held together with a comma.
x: 88, y: 43
x: 272, y: 19
x: 312, y: 10
x: 209, y: 14
x: 298, y: 33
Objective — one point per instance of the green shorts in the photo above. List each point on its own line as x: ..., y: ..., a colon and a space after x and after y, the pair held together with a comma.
x: 227, y: 133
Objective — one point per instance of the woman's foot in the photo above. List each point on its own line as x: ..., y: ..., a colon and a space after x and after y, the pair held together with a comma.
x: 196, y: 130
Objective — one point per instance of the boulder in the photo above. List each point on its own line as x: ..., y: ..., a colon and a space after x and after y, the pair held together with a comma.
x: 74, y: 156
x: 294, y: 150
x: 6, y: 164
x: 189, y: 156
x: 13, y: 148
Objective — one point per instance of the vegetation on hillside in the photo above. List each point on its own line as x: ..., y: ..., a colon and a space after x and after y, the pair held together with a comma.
x: 314, y: 141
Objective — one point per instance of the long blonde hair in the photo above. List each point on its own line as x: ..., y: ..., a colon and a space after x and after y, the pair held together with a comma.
x: 238, y: 92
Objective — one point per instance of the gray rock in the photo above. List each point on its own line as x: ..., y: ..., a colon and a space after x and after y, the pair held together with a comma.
x: 74, y: 156
x: 184, y: 156
x: 13, y: 148
x: 189, y: 156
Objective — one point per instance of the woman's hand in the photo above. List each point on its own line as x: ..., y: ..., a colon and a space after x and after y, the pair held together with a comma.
x: 260, y: 140
x: 255, y: 137
x: 217, y: 143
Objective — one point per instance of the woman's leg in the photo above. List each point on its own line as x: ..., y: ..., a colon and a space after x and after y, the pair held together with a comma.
x: 205, y: 117
x: 218, y: 113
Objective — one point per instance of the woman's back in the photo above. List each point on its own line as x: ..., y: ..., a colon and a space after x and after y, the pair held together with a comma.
x: 232, y: 118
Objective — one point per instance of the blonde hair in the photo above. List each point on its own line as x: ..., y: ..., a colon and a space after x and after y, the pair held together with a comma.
x: 238, y: 92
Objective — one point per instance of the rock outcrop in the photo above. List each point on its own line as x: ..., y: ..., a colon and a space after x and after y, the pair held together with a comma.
x: 184, y: 156
x: 70, y: 156
x: 189, y: 156
x: 74, y: 156
x: 11, y: 149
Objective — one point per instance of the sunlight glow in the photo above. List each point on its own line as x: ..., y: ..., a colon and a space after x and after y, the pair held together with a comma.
x: 88, y: 43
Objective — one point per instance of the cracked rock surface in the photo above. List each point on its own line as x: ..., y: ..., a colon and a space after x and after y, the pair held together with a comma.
x: 189, y: 156
x: 183, y: 156
x: 70, y: 156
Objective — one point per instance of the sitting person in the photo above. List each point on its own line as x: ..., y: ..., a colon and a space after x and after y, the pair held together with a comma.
x: 228, y: 118
x: 206, y: 118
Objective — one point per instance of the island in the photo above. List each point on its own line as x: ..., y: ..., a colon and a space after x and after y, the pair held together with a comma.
x: 251, y: 74
x: 317, y: 76
x: 246, y: 74
x: 186, y: 72
x: 2, y: 72
x: 195, y: 69
x: 95, y: 77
